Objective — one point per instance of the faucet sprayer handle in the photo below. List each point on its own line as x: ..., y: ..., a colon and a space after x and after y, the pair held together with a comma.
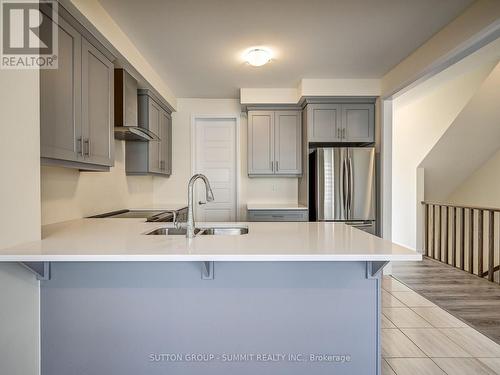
x: 210, y: 194
x: 208, y: 191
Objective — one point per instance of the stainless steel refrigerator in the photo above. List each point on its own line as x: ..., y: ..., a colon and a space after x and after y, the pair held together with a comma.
x: 342, y: 186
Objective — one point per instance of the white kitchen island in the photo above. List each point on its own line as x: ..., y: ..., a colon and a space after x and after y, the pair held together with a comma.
x: 286, y: 298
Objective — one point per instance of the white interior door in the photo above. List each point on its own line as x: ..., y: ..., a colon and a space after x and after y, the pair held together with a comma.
x: 215, y: 156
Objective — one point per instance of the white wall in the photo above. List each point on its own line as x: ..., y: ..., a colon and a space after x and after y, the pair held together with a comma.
x: 70, y: 194
x: 19, y: 218
x: 420, y: 117
x: 476, y: 131
x: 174, y: 188
x: 19, y: 157
x: 340, y: 87
x: 482, y: 188
x: 311, y: 87
x: 269, y: 95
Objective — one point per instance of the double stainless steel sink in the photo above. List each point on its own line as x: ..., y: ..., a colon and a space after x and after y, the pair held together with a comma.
x: 225, y: 231
x: 214, y: 231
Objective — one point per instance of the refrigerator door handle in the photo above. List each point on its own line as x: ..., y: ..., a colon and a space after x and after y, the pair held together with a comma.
x: 345, y: 187
x: 341, y: 186
x: 342, y: 189
x: 351, y: 187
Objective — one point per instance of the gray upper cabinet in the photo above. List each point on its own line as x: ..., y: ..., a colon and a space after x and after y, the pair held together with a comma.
x: 351, y: 123
x: 324, y: 123
x: 97, y: 106
x: 288, y: 142
x: 153, y: 121
x: 166, y: 143
x: 274, y: 143
x: 76, y: 114
x: 358, y: 120
x: 260, y: 143
x: 60, y: 100
x: 151, y: 158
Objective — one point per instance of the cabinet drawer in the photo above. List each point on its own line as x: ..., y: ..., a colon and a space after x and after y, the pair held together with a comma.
x: 278, y: 215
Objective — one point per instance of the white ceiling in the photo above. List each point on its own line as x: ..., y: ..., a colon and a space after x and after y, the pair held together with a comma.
x: 196, y: 45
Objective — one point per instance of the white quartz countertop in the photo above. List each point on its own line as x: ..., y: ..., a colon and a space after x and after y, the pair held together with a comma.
x: 124, y: 240
x: 275, y: 206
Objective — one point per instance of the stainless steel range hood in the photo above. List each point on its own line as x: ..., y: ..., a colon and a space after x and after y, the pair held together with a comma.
x: 126, y: 122
x: 135, y: 133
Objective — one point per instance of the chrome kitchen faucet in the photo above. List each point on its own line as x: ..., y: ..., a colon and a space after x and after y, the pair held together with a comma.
x: 190, y: 226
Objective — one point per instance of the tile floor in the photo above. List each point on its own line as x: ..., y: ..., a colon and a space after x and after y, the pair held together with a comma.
x: 420, y: 338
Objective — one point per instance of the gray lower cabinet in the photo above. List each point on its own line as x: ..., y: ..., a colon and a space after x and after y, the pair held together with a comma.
x: 76, y: 113
x: 278, y: 215
x: 151, y: 158
x: 274, y: 143
x: 354, y: 123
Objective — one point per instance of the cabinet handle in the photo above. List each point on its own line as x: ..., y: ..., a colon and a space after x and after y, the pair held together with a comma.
x: 79, y: 150
x: 272, y: 166
x: 343, y: 133
x: 338, y: 132
x: 86, y: 143
x: 277, y: 166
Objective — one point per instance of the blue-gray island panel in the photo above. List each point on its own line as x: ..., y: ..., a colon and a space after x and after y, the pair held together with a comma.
x: 153, y: 318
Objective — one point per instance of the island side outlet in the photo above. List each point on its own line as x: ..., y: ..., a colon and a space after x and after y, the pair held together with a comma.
x: 248, y: 188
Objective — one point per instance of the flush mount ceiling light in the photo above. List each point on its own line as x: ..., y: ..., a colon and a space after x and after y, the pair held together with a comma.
x: 258, y: 56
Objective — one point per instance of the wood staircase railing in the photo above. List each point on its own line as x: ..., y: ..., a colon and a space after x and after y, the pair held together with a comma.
x: 456, y: 235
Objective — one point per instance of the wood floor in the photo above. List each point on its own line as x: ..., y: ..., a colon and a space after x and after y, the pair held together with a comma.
x: 420, y: 338
x: 474, y: 300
